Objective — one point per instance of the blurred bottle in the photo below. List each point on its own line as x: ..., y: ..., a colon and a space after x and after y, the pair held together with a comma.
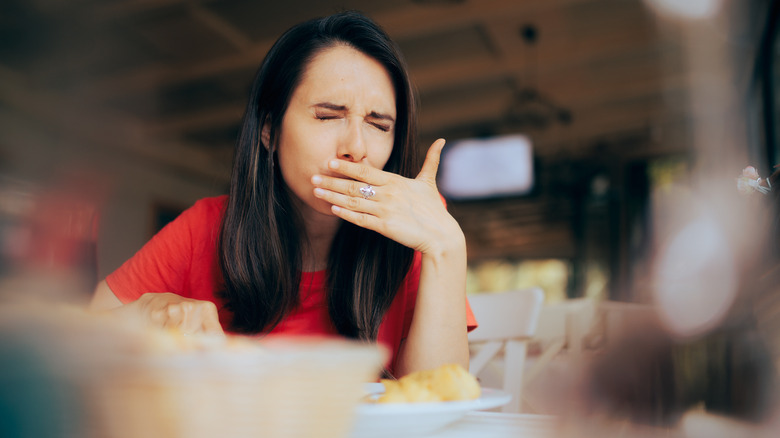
x: 48, y: 238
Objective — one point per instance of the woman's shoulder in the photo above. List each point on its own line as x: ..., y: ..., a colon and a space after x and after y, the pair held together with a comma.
x: 211, y: 203
x: 211, y: 206
x: 204, y: 212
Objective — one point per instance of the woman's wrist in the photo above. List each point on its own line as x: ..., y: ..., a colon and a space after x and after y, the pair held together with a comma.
x: 450, y: 245
x: 447, y: 257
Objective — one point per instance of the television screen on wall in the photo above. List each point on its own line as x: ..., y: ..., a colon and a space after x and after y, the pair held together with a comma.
x: 483, y: 168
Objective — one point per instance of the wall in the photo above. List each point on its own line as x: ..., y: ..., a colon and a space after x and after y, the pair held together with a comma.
x: 41, y: 159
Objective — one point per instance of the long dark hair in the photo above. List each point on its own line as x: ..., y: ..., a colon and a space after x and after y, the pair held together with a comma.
x: 260, y: 241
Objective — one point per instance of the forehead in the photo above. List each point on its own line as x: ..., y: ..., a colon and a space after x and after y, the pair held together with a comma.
x: 343, y: 72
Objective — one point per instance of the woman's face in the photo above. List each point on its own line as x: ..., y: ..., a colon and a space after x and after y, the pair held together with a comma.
x: 344, y: 107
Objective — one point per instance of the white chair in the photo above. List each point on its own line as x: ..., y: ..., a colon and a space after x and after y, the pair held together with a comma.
x: 562, y: 326
x: 568, y: 334
x: 507, y: 321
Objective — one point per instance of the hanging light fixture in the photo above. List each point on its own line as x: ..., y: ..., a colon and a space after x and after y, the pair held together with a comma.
x: 530, y: 108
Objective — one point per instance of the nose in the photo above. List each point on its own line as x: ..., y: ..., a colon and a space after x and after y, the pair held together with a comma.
x: 352, y: 146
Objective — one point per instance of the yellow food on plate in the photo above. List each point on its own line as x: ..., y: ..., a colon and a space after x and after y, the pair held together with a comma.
x: 449, y: 382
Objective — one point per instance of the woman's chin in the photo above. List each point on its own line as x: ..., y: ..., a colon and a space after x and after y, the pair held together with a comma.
x: 312, y: 205
x: 323, y: 207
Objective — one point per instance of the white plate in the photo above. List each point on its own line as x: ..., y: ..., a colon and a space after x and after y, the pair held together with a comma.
x: 408, y: 420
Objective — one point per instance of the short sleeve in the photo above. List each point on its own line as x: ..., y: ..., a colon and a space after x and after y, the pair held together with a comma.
x: 471, y: 321
x: 163, y: 264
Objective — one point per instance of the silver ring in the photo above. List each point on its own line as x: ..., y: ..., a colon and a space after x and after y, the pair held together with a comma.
x: 367, y: 191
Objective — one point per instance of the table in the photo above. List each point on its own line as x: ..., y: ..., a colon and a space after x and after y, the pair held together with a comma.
x: 498, y: 425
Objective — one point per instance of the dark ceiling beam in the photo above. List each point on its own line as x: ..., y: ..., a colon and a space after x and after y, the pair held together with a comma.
x: 100, y: 129
x: 406, y: 22
x: 104, y: 11
x: 221, y: 27
x: 207, y: 118
x: 591, y: 120
x: 555, y: 79
x: 636, y: 80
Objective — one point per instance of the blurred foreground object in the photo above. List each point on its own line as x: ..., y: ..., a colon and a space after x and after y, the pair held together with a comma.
x: 750, y: 182
x: 48, y: 238
x: 699, y: 424
x: 705, y: 347
x: 649, y: 377
x: 127, y: 381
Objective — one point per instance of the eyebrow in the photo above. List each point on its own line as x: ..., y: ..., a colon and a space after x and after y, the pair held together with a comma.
x: 381, y: 116
x: 334, y: 107
x: 330, y: 106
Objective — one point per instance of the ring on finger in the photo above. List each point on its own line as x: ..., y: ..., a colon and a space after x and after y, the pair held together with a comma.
x: 367, y: 191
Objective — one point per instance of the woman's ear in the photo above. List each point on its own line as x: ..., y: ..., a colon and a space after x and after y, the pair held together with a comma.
x: 265, y: 135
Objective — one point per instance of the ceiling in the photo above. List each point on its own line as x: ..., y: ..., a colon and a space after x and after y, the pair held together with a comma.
x: 167, y: 79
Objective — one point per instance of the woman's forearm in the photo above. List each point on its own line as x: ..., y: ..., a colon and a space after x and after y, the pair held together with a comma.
x: 164, y: 310
x: 104, y: 298
x: 438, y: 333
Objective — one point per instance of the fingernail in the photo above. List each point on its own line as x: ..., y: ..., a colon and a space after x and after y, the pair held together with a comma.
x: 334, y: 164
x: 335, y: 208
x: 319, y: 192
x: 316, y: 179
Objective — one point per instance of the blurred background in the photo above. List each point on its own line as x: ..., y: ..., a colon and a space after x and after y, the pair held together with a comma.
x: 619, y: 127
x: 132, y: 106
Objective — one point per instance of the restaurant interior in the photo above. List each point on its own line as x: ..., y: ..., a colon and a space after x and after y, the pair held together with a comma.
x: 595, y: 152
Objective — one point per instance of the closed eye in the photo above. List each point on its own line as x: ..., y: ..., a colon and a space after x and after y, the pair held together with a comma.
x: 328, y: 110
x: 381, y: 127
x: 383, y: 122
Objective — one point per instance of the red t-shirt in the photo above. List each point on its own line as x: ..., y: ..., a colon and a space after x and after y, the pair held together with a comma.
x: 182, y: 258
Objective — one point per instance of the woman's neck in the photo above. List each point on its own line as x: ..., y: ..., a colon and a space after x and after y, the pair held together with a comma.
x: 320, y: 230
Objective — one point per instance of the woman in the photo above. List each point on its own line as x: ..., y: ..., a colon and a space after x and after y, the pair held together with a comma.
x: 326, y: 229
